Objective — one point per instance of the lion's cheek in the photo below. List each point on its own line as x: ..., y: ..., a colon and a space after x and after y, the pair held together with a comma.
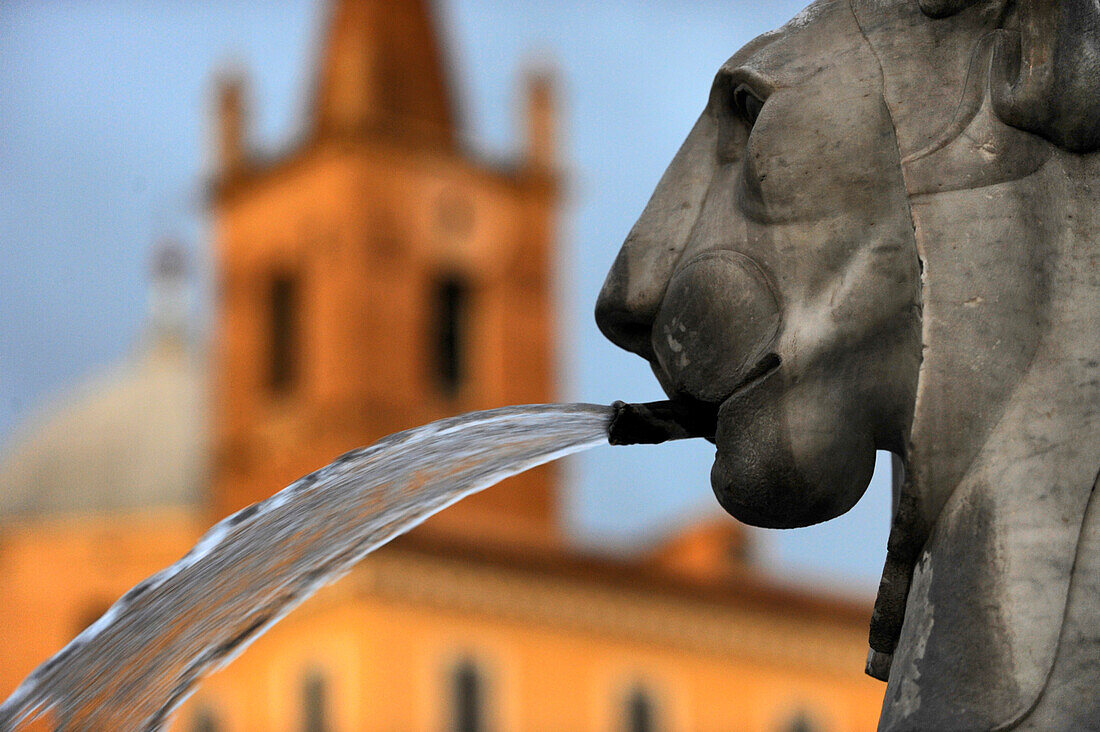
x: 786, y: 459
x: 717, y: 320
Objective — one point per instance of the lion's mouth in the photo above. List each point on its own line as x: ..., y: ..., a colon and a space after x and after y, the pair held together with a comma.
x: 764, y: 368
x: 681, y: 417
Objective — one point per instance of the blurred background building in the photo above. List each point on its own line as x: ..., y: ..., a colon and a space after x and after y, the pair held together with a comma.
x: 374, y: 276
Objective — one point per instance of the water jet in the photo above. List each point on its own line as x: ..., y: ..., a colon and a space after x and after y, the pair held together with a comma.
x: 139, y: 661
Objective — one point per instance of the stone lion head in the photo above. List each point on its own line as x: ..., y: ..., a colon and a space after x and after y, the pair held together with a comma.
x: 881, y: 235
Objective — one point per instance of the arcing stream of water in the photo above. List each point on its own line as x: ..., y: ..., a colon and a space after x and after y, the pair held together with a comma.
x: 136, y: 664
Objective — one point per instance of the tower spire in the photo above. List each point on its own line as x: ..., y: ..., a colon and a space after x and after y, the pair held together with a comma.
x: 168, y: 293
x: 230, y: 125
x: 382, y: 69
x: 540, y: 108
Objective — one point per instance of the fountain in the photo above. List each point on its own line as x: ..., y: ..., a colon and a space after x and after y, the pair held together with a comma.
x: 880, y: 235
x: 139, y: 661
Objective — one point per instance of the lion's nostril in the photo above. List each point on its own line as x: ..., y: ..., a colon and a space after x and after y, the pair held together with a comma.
x: 627, y: 329
x: 630, y: 336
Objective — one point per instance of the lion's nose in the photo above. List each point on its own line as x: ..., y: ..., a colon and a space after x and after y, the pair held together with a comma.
x: 625, y: 313
x: 627, y: 329
x: 632, y: 294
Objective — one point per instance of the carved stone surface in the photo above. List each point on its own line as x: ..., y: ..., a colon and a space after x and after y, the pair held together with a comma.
x: 883, y: 232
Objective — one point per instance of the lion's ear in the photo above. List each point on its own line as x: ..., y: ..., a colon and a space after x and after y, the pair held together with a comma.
x: 1045, y: 76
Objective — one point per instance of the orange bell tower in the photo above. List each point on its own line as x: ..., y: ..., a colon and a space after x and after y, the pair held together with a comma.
x: 377, y: 277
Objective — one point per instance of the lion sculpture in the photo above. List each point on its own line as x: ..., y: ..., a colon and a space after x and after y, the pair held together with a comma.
x: 883, y: 233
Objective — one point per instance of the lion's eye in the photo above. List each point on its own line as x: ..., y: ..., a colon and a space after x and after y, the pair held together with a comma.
x: 747, y: 104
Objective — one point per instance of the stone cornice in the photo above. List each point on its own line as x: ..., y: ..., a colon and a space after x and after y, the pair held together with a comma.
x: 581, y: 605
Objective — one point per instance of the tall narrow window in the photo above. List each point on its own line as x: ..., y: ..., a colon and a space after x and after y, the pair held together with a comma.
x: 449, y: 305
x: 466, y: 710
x: 314, y: 703
x: 283, y: 333
x: 639, y: 711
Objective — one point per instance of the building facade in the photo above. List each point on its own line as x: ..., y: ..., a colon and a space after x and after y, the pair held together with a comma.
x: 374, y: 277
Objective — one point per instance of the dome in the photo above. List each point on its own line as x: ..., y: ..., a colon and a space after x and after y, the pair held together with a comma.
x: 134, y: 437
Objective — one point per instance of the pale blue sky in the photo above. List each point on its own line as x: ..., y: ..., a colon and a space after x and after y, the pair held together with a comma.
x: 102, y: 148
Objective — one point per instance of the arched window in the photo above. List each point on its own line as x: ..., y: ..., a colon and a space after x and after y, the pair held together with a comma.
x: 283, y: 336
x: 314, y: 703
x: 204, y: 721
x: 450, y: 301
x: 639, y: 712
x: 800, y: 722
x: 467, y: 714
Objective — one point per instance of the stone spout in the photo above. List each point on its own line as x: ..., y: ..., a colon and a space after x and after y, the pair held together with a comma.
x: 655, y: 422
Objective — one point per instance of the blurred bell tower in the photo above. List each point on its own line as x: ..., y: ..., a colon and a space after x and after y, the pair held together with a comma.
x: 377, y: 276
